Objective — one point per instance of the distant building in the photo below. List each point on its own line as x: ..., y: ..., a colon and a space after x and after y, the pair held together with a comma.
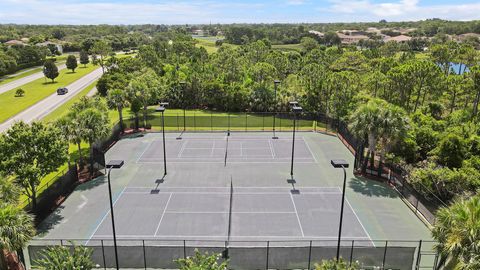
x: 198, y: 32
x: 46, y: 43
x: 351, y: 39
x: 319, y: 34
x: 399, y: 39
x: 14, y: 42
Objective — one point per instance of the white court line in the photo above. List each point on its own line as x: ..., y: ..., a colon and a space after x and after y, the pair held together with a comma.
x: 359, y: 221
x: 145, y: 150
x: 159, y: 237
x: 361, y: 224
x: 271, y: 149
x: 296, y: 213
x: 213, y: 149
x: 226, y: 193
x: 219, y: 212
x: 163, y: 214
x: 179, y: 155
x: 105, y: 216
x: 311, y: 152
x: 286, y: 188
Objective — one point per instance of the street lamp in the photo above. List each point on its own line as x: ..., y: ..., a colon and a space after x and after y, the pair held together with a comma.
x: 161, y: 109
x: 341, y: 163
x: 183, y: 83
x: 113, y: 164
x: 275, y: 83
x: 295, y: 109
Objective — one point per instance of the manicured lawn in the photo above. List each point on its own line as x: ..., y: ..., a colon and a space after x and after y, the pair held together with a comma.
x: 37, y: 90
x: 202, y: 120
x: 7, y: 78
x: 65, y: 107
x: 288, y: 47
x: 209, y: 45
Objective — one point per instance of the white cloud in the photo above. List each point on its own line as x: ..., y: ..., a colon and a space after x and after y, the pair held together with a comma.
x: 403, y: 10
x: 295, y: 2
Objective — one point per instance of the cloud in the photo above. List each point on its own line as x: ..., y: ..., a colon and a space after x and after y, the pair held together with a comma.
x: 403, y: 10
x: 295, y: 2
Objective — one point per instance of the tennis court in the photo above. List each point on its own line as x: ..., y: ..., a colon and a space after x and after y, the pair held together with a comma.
x: 236, y: 191
x: 235, y: 149
x: 256, y: 213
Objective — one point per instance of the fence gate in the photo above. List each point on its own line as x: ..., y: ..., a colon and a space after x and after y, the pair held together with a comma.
x: 427, y: 258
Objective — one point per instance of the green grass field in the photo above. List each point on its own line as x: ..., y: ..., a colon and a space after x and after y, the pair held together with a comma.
x: 8, y: 78
x: 202, y: 120
x: 288, y: 47
x: 36, y: 91
x: 65, y: 107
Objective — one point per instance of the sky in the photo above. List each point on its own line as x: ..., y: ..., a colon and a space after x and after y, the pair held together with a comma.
x: 231, y: 11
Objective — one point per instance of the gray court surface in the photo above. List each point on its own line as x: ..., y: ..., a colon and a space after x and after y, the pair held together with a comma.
x: 257, y: 213
x: 245, y: 149
x: 192, y: 202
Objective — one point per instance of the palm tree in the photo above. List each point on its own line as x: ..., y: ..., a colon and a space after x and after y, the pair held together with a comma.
x: 16, y: 230
x: 457, y: 230
x: 365, y: 123
x: 72, y: 131
x: 94, y: 125
x: 118, y: 99
x: 65, y: 258
x: 9, y: 192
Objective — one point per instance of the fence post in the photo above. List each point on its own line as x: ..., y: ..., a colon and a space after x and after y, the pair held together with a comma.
x: 419, y: 254
x: 268, y: 250
x: 384, y: 254
x: 184, y: 250
x: 61, y: 242
x: 194, y: 121
x: 211, y: 121
x: 416, y: 205
x: 280, y: 124
x: 144, y: 255
x: 351, y: 252
x: 263, y: 122
x: 310, y: 255
x: 228, y: 121
x: 246, y: 121
x: 178, y: 127
x: 103, y: 255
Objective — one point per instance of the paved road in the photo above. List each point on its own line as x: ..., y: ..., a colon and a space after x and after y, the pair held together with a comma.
x: 47, y: 105
x: 17, y: 83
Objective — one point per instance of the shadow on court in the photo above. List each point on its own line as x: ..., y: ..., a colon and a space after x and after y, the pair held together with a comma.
x: 371, y: 188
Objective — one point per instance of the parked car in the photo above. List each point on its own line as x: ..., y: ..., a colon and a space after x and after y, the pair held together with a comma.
x: 62, y: 91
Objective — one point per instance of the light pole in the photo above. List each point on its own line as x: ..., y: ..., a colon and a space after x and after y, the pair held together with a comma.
x: 275, y: 82
x: 295, y: 109
x: 341, y: 163
x: 113, y: 164
x: 183, y: 83
x: 161, y: 109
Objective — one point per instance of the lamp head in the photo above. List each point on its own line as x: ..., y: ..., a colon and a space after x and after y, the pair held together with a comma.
x: 115, y: 164
x: 339, y: 163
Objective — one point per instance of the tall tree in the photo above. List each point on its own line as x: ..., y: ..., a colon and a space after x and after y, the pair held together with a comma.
x: 50, y: 70
x: 72, y: 62
x: 32, y: 152
x: 117, y: 98
x: 101, y: 50
x: 84, y: 58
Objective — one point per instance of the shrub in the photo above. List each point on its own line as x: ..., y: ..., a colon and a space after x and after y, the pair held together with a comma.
x: 201, y: 262
x: 65, y: 257
x: 20, y: 92
x: 334, y: 265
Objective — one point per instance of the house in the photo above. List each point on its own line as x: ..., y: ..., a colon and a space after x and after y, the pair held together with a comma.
x: 198, y: 32
x: 351, y: 39
x: 399, y: 39
x: 319, y: 34
x: 47, y: 43
x: 14, y: 42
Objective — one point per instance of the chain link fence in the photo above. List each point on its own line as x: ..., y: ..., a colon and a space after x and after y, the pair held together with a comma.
x: 162, y: 254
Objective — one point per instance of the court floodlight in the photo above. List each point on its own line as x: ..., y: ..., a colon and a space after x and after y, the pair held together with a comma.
x: 297, y: 109
x: 293, y: 103
x: 160, y: 109
x: 115, y: 164
x: 339, y: 163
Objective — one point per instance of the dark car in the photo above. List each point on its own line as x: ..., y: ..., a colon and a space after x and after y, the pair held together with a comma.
x: 62, y: 91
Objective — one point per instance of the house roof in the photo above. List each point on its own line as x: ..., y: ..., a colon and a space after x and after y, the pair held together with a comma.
x: 400, y: 38
x: 320, y: 34
x: 14, y: 42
